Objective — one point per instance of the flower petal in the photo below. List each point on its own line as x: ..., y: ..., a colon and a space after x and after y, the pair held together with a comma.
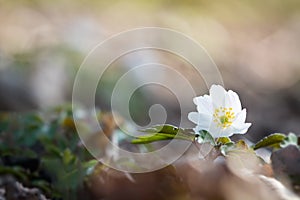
x: 239, y: 124
x: 226, y: 133
x: 204, y: 104
x: 194, y: 117
x: 217, y: 131
x: 240, y: 117
x: 242, y: 128
x: 217, y: 93
x: 219, y: 97
x: 232, y: 100
x: 202, y: 120
x: 214, y: 130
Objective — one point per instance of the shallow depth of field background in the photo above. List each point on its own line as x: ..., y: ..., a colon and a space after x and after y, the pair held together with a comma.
x: 254, y: 43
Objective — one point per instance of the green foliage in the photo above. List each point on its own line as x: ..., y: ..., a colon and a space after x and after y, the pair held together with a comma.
x: 164, y: 132
x: 225, y: 148
x: 169, y: 132
x: 230, y: 146
x: 272, y: 140
x: 277, y: 140
x: 43, y: 150
x: 224, y: 140
x: 290, y: 139
x: 205, y: 136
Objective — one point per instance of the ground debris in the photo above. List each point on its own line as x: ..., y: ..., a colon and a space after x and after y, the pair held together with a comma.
x: 11, y: 189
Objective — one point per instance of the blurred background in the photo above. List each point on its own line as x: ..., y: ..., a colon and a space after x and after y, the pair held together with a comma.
x: 255, y: 44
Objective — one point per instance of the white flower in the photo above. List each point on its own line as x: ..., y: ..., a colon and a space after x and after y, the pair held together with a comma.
x: 219, y: 113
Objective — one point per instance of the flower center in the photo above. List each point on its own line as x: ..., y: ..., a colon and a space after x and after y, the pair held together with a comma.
x: 223, y: 117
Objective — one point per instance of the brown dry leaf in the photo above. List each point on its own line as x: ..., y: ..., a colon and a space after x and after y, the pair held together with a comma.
x: 98, y: 141
x: 286, y: 166
x: 110, y: 184
x: 240, y: 176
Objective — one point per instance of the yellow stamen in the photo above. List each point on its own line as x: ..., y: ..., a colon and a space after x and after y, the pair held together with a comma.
x: 223, y: 117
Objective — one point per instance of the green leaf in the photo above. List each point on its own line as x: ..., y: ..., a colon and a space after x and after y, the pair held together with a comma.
x: 162, y: 128
x: 89, y: 166
x: 17, y: 171
x: 239, y: 146
x: 90, y: 163
x: 272, y: 140
x: 152, y: 138
x: 205, y: 136
x: 68, y: 157
x: 52, y: 150
x: 291, y: 139
x: 164, y: 132
x: 225, y: 148
x: 44, y: 185
x: 224, y: 140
